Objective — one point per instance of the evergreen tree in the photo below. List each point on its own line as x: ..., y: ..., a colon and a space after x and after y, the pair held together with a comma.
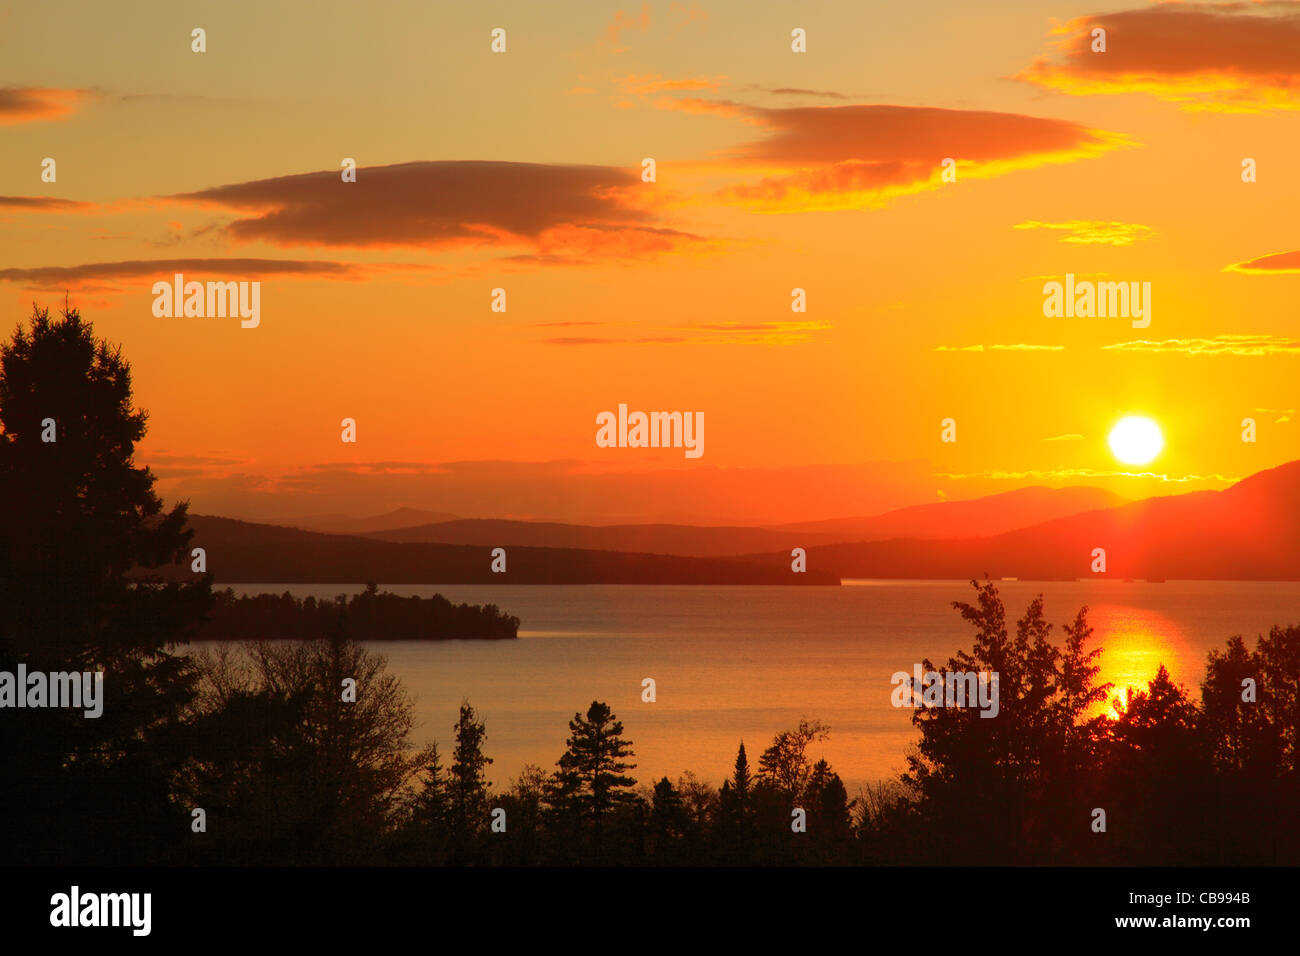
x: 1001, y: 787
x: 590, y: 783
x: 430, y: 812
x: 830, y: 826
x: 740, y: 779
x: 83, y: 536
x: 467, y: 788
x: 734, y: 831
x: 668, y: 823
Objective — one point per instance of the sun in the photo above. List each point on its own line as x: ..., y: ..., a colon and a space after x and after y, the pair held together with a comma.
x: 1136, y: 440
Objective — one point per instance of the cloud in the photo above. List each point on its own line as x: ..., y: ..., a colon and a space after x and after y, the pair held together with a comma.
x: 692, y: 14
x: 1279, y: 263
x: 558, y: 210
x: 1250, y: 345
x: 1072, y: 436
x: 651, y: 83
x: 1226, y: 57
x: 86, y: 276
x: 584, y: 340
x: 1087, y: 473
x: 702, y: 107
x: 1093, y: 231
x: 844, y: 157
x: 44, y: 204
x: 1017, y: 347
x: 623, y: 22
x: 35, y: 104
x: 700, y: 333
x: 754, y: 333
x: 797, y: 91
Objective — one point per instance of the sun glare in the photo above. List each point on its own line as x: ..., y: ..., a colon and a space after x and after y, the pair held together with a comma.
x: 1135, y: 440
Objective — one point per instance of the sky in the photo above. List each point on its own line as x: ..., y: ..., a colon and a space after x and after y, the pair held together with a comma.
x: 775, y: 170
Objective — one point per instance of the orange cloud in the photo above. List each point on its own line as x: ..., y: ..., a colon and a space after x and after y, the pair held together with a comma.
x: 1226, y: 57
x: 558, y: 210
x: 654, y: 83
x: 623, y: 22
x: 1279, y: 263
x: 1058, y: 473
x: 35, y: 104
x: 584, y: 340
x: 99, y: 276
x: 44, y: 204
x: 1094, y: 232
x: 705, y: 333
x: 1250, y: 345
x: 843, y: 157
x: 1016, y: 347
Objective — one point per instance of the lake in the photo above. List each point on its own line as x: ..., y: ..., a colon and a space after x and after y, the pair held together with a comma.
x: 733, y: 663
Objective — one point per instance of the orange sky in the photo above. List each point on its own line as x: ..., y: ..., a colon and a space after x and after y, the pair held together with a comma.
x: 775, y: 170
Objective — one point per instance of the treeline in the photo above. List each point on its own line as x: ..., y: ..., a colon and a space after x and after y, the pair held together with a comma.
x: 369, y: 616
x: 300, y: 751
x: 1052, y: 779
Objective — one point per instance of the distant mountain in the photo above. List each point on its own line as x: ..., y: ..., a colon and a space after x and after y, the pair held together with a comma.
x: 346, y: 524
x: 992, y: 514
x: 239, y: 551
x: 1250, y: 531
x: 955, y: 519
x: 686, y: 540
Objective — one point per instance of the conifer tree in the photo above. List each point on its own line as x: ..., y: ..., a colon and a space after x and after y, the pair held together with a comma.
x: 83, y: 536
x: 591, y: 778
x: 467, y: 790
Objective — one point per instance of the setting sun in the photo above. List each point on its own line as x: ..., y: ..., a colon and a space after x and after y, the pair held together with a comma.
x: 1135, y: 440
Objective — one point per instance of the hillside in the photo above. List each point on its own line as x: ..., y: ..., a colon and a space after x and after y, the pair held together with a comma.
x: 239, y: 551
x: 1250, y: 531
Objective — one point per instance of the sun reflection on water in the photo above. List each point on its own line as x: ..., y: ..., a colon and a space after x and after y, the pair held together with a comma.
x: 1135, y: 642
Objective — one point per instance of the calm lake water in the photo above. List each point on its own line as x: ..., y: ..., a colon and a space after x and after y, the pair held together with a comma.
x: 733, y: 663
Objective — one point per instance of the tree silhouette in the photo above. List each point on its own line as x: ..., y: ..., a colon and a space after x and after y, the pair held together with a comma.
x: 82, y: 533
x: 669, y: 822
x: 342, y: 770
x: 735, y: 818
x: 784, y: 766
x: 590, y: 783
x: 428, y: 833
x: 995, y: 785
x: 467, y: 790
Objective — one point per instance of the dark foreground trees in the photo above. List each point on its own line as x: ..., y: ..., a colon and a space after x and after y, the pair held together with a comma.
x: 81, y: 531
x: 1054, y: 779
x: 301, y: 752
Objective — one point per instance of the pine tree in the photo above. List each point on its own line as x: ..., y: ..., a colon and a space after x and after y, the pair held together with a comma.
x: 740, y: 779
x: 430, y: 812
x: 668, y: 822
x: 467, y: 788
x: 83, y: 536
x: 590, y: 782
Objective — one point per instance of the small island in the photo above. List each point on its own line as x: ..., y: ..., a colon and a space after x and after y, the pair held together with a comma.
x: 369, y: 616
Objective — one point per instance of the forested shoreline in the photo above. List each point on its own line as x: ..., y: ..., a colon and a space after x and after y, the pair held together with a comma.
x: 299, y: 750
x: 372, y: 615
